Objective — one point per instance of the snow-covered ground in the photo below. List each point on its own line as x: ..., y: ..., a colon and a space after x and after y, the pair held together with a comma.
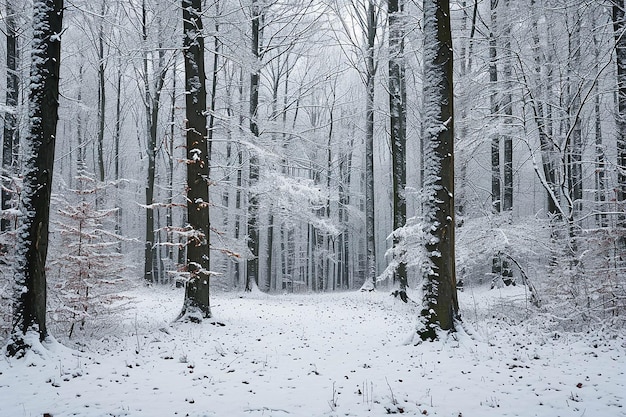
x: 340, y: 354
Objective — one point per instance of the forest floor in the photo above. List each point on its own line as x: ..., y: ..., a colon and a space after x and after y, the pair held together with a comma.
x: 339, y: 354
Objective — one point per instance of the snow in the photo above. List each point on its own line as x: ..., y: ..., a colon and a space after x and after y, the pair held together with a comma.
x: 339, y: 354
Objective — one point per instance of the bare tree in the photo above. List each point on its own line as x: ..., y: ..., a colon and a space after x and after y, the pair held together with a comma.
x: 196, y: 304
x: 32, y: 250
x: 370, y: 75
x: 501, y: 104
x: 397, y: 112
x: 362, y: 57
x: 101, y: 92
x: 154, y: 72
x: 252, y: 266
x: 440, y: 308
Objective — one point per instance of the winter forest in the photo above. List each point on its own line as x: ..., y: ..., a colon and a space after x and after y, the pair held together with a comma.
x: 313, y: 207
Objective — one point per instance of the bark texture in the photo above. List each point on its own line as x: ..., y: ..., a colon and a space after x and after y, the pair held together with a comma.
x: 440, y: 308
x: 397, y: 111
x: 32, y: 250
x: 196, y: 304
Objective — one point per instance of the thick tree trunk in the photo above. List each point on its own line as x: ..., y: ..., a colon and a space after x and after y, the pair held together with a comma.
x: 397, y: 111
x: 150, y: 248
x: 150, y: 148
x: 32, y: 249
x: 440, y: 307
x: 196, y: 304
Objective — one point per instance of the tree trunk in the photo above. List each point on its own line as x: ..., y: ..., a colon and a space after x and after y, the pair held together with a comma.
x: 502, y: 109
x: 10, y: 138
x: 253, y: 199
x: 196, y: 304
x: 151, y: 272
x: 498, y: 98
x: 470, y: 49
x: 619, y: 25
x: 496, y: 178
x: 507, y: 110
x: 152, y: 103
x: 150, y: 148
x: 345, y: 165
x: 370, y: 229
x: 397, y: 111
x: 440, y: 307
x: 117, y: 166
x: 32, y: 249
x: 600, y: 158
x: 80, y: 145
x: 101, y: 97
x: 238, y: 190
x: 543, y: 117
x: 169, y: 211
x: 574, y: 132
x: 270, y: 278
x: 329, y: 174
